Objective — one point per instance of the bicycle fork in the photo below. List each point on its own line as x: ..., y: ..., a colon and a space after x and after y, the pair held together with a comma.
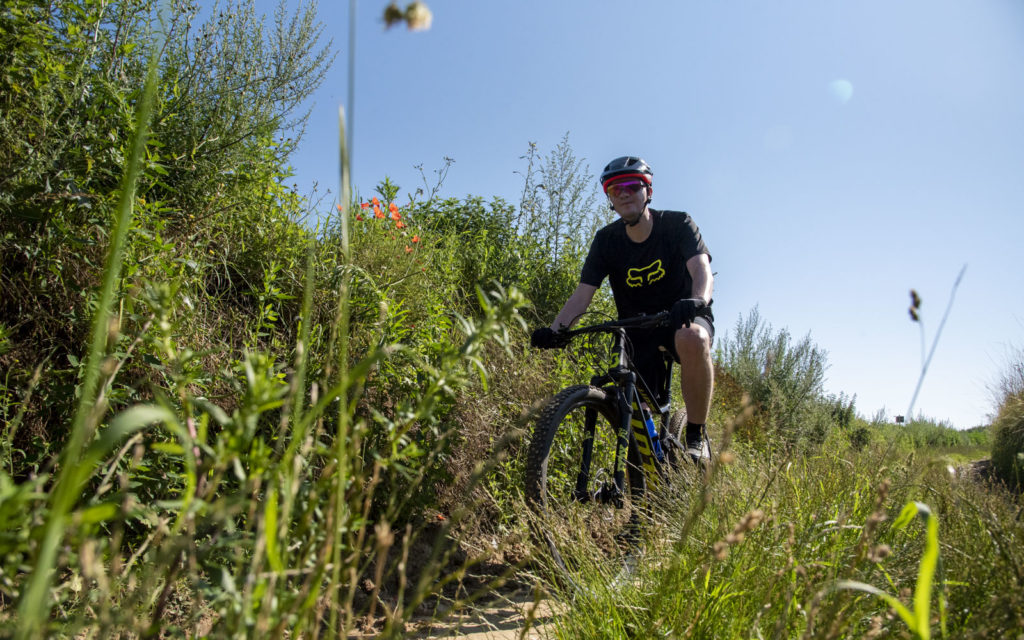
x: 615, y: 491
x: 582, y: 493
x: 631, y: 419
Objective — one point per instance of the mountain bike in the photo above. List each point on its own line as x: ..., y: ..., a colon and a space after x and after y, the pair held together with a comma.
x: 595, y: 454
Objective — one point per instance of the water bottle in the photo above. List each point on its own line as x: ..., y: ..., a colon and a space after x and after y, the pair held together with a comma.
x: 651, y: 431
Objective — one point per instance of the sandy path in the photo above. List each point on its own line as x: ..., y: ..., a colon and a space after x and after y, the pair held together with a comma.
x: 502, y: 619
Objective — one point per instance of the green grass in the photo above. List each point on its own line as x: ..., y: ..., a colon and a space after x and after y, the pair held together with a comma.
x: 239, y: 423
x: 780, y: 544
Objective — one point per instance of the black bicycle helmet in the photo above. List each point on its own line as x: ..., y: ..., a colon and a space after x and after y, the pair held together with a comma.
x: 626, y: 167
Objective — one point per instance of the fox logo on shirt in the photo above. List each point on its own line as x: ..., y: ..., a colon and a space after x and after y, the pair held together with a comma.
x: 639, y: 276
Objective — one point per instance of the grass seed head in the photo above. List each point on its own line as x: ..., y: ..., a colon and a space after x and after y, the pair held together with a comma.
x: 879, y: 553
x: 385, y: 537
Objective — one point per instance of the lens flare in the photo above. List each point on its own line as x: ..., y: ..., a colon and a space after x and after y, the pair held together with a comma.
x: 841, y: 89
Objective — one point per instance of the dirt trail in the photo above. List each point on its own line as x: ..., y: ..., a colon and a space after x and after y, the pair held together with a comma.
x: 504, y: 618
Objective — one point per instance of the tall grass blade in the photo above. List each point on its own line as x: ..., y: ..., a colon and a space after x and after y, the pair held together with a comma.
x: 905, y: 614
x: 342, y: 434
x: 35, y: 603
x: 926, y: 570
x: 917, y: 620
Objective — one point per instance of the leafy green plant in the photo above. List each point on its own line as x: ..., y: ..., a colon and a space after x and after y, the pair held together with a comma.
x: 918, y: 617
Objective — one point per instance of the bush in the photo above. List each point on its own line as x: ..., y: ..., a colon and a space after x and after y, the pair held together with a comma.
x: 782, y: 378
x: 1008, y: 427
x: 211, y: 182
x: 1008, y: 441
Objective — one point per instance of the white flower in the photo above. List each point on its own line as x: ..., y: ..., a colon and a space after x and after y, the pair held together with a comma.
x: 418, y: 16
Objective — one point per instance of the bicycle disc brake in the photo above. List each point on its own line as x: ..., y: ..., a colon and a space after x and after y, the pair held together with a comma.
x: 607, y: 492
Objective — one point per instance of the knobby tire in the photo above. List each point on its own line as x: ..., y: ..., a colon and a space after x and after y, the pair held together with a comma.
x: 569, y: 527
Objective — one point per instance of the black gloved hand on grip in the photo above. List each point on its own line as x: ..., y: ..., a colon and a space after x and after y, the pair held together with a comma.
x: 547, y: 338
x: 685, y: 310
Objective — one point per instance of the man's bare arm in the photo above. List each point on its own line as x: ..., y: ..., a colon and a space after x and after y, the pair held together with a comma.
x: 574, y: 306
x: 699, y: 267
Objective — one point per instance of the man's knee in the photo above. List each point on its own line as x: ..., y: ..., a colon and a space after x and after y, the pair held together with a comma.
x: 693, y: 342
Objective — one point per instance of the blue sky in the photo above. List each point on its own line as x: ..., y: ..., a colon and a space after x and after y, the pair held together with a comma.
x: 835, y: 154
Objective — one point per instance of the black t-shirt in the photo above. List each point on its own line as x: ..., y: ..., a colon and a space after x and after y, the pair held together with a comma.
x: 648, y: 276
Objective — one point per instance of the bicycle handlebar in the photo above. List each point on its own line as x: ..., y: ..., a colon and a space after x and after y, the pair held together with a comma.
x: 651, y: 321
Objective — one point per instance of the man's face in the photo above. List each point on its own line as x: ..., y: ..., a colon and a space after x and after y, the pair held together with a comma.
x: 628, y: 197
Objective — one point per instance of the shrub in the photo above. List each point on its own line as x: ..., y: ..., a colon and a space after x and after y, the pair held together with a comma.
x: 1008, y: 427
x: 211, y: 181
x: 783, y: 379
x: 1008, y: 441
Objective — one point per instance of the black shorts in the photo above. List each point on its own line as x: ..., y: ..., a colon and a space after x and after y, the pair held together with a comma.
x: 654, y: 350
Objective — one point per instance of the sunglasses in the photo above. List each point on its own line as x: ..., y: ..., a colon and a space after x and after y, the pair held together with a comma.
x: 624, y: 187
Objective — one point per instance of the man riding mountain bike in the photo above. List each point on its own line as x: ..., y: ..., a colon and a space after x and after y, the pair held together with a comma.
x: 655, y: 261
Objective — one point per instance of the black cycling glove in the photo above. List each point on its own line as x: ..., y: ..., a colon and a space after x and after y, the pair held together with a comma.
x: 685, y: 310
x: 547, y: 338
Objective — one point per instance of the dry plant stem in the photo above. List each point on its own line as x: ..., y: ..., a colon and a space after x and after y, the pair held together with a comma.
x: 161, y: 604
x: 384, y: 541
x: 101, y: 398
x: 935, y: 341
x: 775, y: 474
x: 12, y: 428
x: 35, y: 603
x: 531, y: 613
x: 698, y: 509
x: 403, y: 580
x: 924, y: 366
x: 105, y: 485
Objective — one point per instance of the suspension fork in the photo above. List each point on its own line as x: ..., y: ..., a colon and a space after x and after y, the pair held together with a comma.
x: 626, y: 383
x: 581, y: 493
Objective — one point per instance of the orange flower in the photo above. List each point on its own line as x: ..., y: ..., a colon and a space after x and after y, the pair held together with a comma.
x: 408, y: 249
x: 359, y: 217
x: 375, y: 201
x: 393, y: 208
x: 377, y: 213
x: 365, y: 205
x: 416, y: 238
x: 399, y: 225
x: 339, y: 208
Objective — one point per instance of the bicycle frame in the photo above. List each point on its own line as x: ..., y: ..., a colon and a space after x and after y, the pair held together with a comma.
x: 630, y: 391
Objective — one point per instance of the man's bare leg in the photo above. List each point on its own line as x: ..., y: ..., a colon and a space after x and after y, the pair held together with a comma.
x: 697, y: 374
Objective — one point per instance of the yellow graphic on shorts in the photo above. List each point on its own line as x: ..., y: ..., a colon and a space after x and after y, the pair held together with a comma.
x: 638, y: 277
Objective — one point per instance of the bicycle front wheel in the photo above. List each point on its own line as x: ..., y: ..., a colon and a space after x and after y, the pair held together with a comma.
x: 582, y: 515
